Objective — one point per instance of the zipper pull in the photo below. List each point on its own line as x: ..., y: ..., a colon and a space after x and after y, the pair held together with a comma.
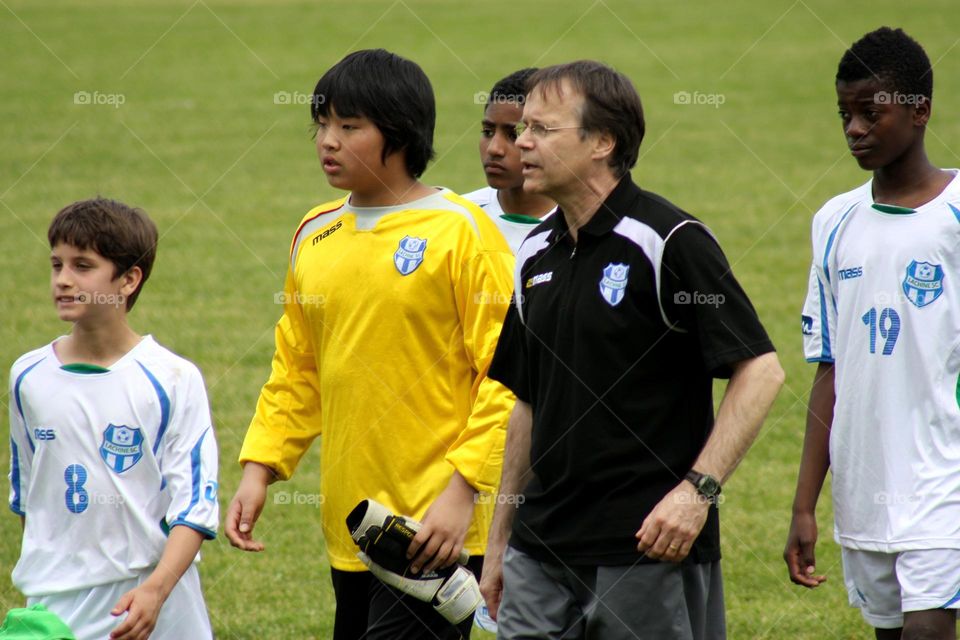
x: 574, y: 253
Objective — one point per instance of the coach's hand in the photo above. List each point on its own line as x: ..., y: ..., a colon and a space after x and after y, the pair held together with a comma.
x: 445, y: 524
x: 800, y: 554
x: 491, y: 578
x: 246, y: 506
x: 669, y: 531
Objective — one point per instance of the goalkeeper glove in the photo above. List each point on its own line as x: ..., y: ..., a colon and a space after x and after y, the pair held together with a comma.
x: 383, y: 539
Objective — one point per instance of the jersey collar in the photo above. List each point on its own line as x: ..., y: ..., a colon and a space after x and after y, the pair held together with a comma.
x: 607, y: 217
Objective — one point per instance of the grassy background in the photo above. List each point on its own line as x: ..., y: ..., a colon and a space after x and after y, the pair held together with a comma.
x: 226, y: 172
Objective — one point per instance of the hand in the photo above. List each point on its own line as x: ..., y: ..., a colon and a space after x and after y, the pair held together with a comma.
x: 142, y: 605
x: 669, y: 531
x: 444, y: 527
x: 246, y: 506
x: 491, y: 578
x: 799, y: 553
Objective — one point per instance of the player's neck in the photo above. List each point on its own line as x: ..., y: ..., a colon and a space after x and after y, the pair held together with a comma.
x: 102, y: 345
x: 518, y: 201
x: 390, y: 191
x: 911, y: 181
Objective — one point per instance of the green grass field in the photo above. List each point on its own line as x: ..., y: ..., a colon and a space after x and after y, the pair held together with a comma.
x: 203, y: 141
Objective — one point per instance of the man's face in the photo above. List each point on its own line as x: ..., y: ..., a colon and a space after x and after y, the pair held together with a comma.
x: 498, y: 153
x: 350, y: 152
x: 879, y: 125
x: 554, y: 161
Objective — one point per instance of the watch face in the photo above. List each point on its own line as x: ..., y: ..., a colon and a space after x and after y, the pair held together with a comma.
x: 709, y: 486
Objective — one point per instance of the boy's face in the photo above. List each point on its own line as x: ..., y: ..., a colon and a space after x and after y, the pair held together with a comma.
x: 880, y: 125
x: 498, y: 153
x: 83, y: 284
x: 350, y: 152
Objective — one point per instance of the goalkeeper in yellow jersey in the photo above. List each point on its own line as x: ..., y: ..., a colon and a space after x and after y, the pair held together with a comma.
x: 393, y: 304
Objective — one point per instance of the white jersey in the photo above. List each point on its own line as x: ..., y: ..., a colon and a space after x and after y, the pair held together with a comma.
x: 513, y: 230
x: 103, y: 464
x: 884, y: 305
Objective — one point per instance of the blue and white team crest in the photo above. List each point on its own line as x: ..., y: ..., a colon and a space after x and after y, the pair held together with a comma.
x: 122, y: 447
x: 409, y: 255
x: 613, y: 284
x: 924, y: 283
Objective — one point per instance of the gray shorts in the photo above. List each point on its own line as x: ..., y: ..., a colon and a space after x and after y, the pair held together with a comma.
x: 662, y: 601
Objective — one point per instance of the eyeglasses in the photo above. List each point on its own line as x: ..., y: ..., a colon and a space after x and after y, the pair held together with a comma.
x: 539, y: 130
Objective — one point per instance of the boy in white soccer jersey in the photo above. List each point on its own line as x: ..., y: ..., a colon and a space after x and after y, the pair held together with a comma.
x: 514, y: 211
x: 881, y: 318
x: 113, y: 457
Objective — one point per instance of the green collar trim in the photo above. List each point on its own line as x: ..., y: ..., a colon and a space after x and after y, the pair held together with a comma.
x: 82, y: 367
x: 521, y: 218
x: 892, y: 208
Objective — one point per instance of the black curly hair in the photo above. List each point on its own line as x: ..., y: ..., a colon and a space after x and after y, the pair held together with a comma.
x: 893, y: 58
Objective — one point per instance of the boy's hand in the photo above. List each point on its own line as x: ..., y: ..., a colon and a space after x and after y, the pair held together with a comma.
x: 246, y: 506
x: 142, y: 606
x: 800, y: 554
x: 444, y: 529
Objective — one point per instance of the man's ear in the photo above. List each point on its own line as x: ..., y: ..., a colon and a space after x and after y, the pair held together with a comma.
x: 604, y: 146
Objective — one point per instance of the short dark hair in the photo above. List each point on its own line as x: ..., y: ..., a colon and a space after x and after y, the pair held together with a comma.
x: 611, y: 104
x: 891, y: 57
x: 391, y: 91
x: 512, y: 88
x: 124, y: 235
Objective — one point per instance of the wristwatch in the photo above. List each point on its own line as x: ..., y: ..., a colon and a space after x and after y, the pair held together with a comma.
x: 707, y: 486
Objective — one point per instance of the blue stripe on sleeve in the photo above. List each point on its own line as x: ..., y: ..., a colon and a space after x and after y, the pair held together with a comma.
x: 16, y: 394
x: 206, y: 533
x: 15, y: 478
x: 164, y: 406
x: 824, y: 326
x: 195, y: 480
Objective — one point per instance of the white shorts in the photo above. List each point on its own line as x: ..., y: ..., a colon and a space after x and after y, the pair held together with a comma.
x: 87, y: 611
x: 885, y: 585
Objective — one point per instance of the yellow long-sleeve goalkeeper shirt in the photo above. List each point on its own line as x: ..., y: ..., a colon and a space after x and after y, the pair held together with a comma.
x: 391, y: 317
